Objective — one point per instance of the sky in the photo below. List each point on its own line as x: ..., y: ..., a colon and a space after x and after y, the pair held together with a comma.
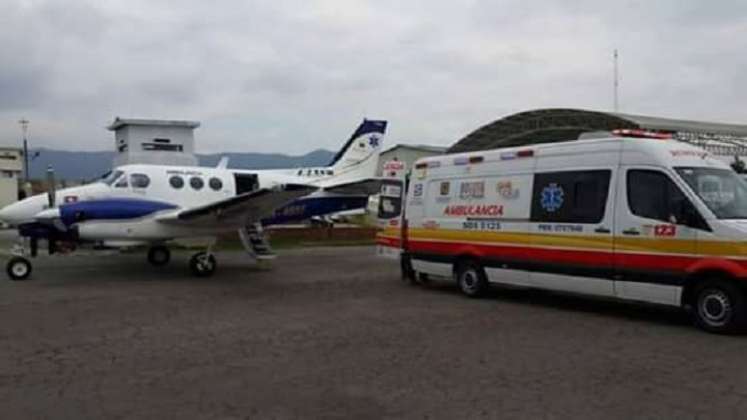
x: 295, y: 76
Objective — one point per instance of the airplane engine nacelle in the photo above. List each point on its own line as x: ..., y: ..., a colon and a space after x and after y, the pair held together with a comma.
x: 98, y: 231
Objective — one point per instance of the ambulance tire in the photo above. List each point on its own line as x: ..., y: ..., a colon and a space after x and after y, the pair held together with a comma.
x: 407, y: 272
x: 471, y: 278
x: 720, y: 307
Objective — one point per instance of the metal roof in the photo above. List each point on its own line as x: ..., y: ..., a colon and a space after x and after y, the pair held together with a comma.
x: 421, y: 147
x: 121, y: 122
x: 553, y: 125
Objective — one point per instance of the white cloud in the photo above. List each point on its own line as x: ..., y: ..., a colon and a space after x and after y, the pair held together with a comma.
x: 292, y: 76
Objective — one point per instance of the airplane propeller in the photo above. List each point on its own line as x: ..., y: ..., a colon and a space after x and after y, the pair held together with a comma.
x: 52, y: 201
x: 51, y: 187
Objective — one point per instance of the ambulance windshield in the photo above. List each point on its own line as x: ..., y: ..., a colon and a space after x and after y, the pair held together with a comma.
x: 722, y: 190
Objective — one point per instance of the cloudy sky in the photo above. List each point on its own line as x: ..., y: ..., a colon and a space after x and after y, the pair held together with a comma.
x: 293, y: 76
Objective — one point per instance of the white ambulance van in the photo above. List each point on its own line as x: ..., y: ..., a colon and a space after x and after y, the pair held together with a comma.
x: 641, y: 219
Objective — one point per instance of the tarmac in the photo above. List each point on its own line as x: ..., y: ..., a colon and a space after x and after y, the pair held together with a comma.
x: 333, y: 333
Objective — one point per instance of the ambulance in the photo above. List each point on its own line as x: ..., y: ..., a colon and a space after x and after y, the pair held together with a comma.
x: 633, y: 216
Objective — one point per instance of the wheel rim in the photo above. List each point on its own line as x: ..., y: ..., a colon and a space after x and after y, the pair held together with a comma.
x: 19, y: 269
x: 715, y: 307
x: 469, y: 280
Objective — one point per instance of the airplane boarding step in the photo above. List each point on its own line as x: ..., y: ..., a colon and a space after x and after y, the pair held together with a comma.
x: 255, y: 242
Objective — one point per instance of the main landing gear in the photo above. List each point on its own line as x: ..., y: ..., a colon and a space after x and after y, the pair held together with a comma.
x: 201, y: 264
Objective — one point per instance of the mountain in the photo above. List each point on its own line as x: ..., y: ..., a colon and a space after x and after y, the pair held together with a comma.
x: 90, y: 165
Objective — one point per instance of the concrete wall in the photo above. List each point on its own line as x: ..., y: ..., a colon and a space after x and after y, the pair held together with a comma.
x: 8, y: 189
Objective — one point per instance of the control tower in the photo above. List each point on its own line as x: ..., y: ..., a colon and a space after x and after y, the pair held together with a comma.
x: 159, y: 142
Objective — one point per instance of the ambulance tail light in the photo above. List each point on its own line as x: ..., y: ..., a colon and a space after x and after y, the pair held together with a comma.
x: 525, y: 153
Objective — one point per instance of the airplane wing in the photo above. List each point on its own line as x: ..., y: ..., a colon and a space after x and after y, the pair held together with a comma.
x: 368, y: 186
x: 238, y: 210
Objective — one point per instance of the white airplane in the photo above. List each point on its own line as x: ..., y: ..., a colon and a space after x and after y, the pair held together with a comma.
x: 149, y: 205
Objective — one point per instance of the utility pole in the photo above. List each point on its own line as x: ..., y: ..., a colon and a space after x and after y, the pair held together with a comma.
x: 25, y: 128
x: 616, y: 84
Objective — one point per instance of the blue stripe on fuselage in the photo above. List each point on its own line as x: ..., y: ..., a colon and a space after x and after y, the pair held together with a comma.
x: 307, y: 207
x: 110, y: 209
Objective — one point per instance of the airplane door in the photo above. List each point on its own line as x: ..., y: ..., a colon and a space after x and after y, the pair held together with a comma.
x: 651, y: 245
x: 246, y: 183
x: 571, y: 224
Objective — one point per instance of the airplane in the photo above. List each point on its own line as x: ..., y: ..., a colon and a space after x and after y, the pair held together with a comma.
x: 150, y: 205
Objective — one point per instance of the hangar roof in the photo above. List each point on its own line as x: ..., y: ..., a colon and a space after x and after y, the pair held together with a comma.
x: 551, y: 125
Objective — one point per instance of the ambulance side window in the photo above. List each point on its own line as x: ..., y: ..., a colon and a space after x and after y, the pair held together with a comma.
x: 570, y: 197
x: 653, y: 195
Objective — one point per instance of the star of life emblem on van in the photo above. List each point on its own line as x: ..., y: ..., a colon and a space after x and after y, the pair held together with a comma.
x: 551, y: 198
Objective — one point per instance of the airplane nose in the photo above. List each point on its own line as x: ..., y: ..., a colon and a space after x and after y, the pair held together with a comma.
x: 9, y: 214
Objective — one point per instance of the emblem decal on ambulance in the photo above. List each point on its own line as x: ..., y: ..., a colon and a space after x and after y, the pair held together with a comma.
x: 551, y: 198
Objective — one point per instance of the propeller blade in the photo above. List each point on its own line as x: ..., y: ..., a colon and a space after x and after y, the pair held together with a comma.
x: 51, y: 187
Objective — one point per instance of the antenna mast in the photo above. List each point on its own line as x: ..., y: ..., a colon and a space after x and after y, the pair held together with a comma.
x: 616, y: 84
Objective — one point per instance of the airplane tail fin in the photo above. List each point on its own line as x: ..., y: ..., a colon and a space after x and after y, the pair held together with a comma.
x: 359, y: 157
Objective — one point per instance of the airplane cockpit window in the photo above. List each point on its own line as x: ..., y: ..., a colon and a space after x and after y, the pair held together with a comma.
x: 113, y: 176
x: 139, y: 180
x: 121, y: 182
x: 215, y: 184
x: 176, y: 182
x: 196, y: 182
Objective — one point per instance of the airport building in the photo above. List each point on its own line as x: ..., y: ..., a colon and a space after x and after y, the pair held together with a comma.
x: 159, y: 142
x: 726, y: 141
x: 11, y: 168
x: 407, y: 153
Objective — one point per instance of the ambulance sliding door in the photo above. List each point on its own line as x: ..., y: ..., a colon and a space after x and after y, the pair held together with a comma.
x: 572, y: 223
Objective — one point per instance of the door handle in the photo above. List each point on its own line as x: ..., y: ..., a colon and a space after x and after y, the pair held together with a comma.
x: 631, y: 231
x: 601, y: 229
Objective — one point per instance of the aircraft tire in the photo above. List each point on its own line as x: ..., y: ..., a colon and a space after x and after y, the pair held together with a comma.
x: 18, y: 268
x: 202, y: 265
x: 159, y: 255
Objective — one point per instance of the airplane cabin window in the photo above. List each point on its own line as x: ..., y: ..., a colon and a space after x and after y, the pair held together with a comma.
x: 196, y: 182
x: 177, y: 182
x: 330, y: 172
x: 215, y: 184
x: 139, y: 180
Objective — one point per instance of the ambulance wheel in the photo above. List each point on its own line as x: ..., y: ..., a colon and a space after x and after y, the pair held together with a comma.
x: 159, y: 255
x: 18, y: 268
x: 202, y: 264
x: 720, y: 307
x: 471, y: 279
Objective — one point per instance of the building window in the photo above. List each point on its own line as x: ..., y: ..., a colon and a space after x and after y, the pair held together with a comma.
x: 570, y: 197
x: 176, y: 182
x: 139, y: 181
x: 196, y: 182
x: 215, y: 184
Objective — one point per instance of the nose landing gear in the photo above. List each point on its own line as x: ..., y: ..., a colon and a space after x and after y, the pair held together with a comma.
x: 18, y: 268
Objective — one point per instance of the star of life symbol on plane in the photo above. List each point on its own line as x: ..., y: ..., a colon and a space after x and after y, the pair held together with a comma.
x: 373, y: 141
x: 551, y: 198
